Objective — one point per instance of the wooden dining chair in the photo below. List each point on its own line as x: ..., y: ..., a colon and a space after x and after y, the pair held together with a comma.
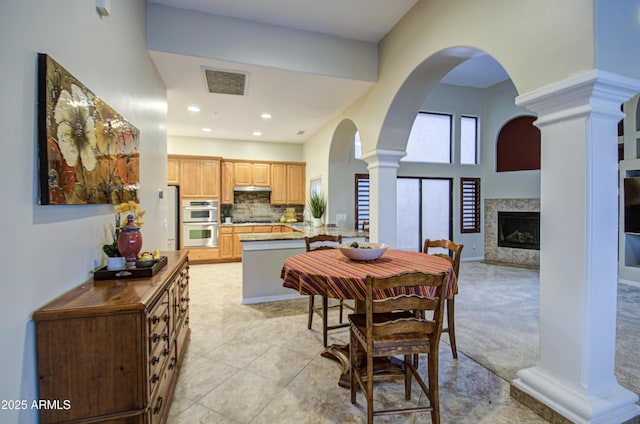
x: 389, y: 327
x: 451, y: 252
x: 323, y: 241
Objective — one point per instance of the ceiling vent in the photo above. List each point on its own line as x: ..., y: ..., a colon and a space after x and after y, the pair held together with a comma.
x: 220, y: 81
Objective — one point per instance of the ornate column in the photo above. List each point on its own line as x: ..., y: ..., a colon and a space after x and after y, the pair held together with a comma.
x: 578, y: 253
x: 383, y: 170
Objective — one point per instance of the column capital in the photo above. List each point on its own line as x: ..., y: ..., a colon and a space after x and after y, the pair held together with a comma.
x: 382, y: 158
x: 591, y: 92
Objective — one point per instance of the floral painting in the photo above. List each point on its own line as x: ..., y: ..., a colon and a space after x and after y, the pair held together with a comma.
x: 88, y: 153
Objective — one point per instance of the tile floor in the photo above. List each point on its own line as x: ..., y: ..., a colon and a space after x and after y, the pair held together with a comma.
x: 260, y: 364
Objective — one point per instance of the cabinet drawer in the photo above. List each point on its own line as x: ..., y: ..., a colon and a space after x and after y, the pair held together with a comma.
x: 262, y: 229
x: 226, y: 230
x: 159, y: 404
x: 157, y: 363
x: 158, y: 336
x: 183, y: 303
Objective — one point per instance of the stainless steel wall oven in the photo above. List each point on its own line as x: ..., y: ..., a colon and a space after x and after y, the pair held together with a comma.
x: 200, y: 223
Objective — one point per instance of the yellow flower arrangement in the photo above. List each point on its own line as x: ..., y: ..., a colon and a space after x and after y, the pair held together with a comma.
x: 131, y: 208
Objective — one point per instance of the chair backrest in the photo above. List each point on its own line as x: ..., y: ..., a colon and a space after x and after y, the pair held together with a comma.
x: 453, y: 254
x: 365, y: 226
x: 322, y: 241
x: 403, y: 285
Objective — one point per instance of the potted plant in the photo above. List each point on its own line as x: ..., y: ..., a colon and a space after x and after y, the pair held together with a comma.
x: 226, y: 212
x: 115, y: 261
x: 317, y: 206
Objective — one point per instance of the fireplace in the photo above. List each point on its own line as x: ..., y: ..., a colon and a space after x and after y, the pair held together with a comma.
x: 520, y: 230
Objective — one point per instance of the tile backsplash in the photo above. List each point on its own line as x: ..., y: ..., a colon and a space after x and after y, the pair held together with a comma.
x: 255, y: 206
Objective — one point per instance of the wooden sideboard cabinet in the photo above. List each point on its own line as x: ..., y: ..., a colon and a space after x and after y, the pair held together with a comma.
x: 113, y: 348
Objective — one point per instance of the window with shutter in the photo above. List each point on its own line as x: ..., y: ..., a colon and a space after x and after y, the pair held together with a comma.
x: 469, y: 205
x: 362, y: 199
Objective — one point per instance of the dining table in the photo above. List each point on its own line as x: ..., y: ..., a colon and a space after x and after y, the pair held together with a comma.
x: 330, y: 273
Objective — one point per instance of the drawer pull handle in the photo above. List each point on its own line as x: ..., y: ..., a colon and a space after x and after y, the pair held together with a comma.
x: 155, y: 378
x: 165, y: 337
x: 165, y: 352
x: 155, y: 337
x: 172, y: 365
x: 155, y: 319
x: 158, y: 406
x: 165, y: 318
x: 155, y: 360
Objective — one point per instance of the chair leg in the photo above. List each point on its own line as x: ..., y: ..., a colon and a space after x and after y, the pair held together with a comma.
x: 310, y: 319
x: 369, y: 393
x: 353, y: 369
x: 341, y: 305
x: 451, y: 327
x: 434, y: 397
x: 407, y: 376
x: 325, y: 307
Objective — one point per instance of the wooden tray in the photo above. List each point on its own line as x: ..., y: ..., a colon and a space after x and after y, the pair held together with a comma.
x: 103, y: 274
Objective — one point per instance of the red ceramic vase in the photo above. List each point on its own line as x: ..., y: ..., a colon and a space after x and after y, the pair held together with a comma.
x: 130, y: 242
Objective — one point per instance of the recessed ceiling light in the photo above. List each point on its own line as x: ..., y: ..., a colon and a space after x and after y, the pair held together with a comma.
x: 266, y: 116
x: 206, y: 129
x: 257, y: 133
x: 193, y: 109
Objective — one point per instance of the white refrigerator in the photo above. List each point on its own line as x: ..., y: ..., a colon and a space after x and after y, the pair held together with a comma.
x: 173, y: 214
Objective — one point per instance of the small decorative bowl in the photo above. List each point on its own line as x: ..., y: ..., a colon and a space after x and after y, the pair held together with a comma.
x: 145, y: 264
x: 364, y: 251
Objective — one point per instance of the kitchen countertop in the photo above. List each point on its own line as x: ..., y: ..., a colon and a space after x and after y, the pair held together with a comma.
x: 245, y: 224
x: 300, y: 232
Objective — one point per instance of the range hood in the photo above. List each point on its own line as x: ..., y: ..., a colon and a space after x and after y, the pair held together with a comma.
x: 251, y: 188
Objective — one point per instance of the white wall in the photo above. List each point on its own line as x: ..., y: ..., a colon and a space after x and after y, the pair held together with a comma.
x: 235, y: 149
x: 494, y: 107
x: 49, y: 249
x: 500, y: 109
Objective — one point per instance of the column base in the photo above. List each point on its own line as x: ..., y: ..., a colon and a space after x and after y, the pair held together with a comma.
x: 533, y: 386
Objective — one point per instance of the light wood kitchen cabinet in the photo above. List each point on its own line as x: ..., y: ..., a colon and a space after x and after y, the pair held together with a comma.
x: 225, y: 243
x: 113, y: 348
x: 237, y: 244
x: 279, y: 184
x: 288, y: 182
x: 200, y: 255
x: 200, y: 178
x: 295, y: 184
x: 227, y: 182
x: 173, y: 171
x: 210, y: 182
x: 252, y: 174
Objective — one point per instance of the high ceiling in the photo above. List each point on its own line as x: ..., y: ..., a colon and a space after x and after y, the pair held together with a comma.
x: 299, y: 103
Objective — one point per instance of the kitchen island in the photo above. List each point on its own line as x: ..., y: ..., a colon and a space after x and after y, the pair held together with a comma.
x: 264, y: 253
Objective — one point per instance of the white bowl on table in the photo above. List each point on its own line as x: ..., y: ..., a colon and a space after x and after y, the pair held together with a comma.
x: 364, y: 251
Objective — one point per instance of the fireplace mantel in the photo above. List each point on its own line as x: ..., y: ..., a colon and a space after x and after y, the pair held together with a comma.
x: 507, y: 255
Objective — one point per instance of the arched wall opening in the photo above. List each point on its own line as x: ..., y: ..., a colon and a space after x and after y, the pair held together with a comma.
x: 343, y: 165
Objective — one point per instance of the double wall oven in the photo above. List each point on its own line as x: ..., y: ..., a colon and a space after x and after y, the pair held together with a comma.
x: 199, y: 223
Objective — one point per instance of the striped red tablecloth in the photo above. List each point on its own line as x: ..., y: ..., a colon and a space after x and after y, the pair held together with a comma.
x: 329, y: 273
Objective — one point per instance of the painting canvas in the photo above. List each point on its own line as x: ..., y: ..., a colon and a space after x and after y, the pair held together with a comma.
x: 88, y: 153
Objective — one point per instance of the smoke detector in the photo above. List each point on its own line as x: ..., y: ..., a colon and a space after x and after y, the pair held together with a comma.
x: 224, y: 81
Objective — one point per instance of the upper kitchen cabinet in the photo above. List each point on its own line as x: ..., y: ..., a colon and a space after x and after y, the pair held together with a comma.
x: 226, y: 195
x: 287, y: 184
x: 173, y: 171
x: 200, y: 177
x: 252, y: 174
